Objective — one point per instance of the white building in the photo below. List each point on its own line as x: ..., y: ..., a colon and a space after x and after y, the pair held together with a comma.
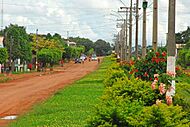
x: 1, y: 42
x: 71, y: 43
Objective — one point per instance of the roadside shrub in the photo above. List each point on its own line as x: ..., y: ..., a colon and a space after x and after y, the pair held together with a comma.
x: 132, y: 89
x: 162, y: 115
x: 132, y: 103
x: 113, y: 74
x: 118, y: 112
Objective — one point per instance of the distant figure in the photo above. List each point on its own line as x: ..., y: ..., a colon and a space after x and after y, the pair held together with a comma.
x: 98, y: 60
x: 89, y: 59
x: 83, y: 60
x: 30, y: 66
x: 62, y: 62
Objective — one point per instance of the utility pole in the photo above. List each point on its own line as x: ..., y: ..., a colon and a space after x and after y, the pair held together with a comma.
x: 171, y: 44
x: 67, y: 35
x: 130, y: 31
x: 125, y: 31
x: 126, y: 34
x: 36, y: 49
x: 137, y: 27
x: 155, y: 25
x: 145, y: 3
x: 10, y: 57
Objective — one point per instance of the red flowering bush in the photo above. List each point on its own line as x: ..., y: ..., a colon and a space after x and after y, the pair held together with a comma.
x: 154, y: 63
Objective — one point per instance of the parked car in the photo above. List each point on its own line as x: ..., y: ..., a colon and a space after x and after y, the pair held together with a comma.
x: 94, y: 57
x: 77, y: 60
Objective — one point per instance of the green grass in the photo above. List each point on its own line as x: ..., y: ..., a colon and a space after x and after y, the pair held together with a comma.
x: 69, y: 107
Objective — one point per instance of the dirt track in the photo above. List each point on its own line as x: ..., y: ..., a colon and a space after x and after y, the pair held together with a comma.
x: 17, y: 97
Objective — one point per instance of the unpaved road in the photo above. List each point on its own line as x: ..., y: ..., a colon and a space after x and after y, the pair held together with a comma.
x: 18, y: 96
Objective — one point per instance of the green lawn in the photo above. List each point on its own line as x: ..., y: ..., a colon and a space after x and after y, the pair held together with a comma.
x: 69, y: 107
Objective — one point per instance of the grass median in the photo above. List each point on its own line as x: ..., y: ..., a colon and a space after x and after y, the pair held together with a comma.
x: 69, y: 107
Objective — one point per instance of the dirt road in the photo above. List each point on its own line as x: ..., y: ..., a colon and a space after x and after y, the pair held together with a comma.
x: 18, y: 96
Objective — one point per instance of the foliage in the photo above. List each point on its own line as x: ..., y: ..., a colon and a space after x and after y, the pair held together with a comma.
x: 154, y: 63
x: 184, y: 56
x: 87, y: 43
x: 183, y: 37
x: 90, y: 52
x: 3, y: 55
x: 131, y: 102
x: 49, y: 56
x: 17, y: 41
x: 102, y: 48
x: 162, y: 115
x: 113, y: 74
x: 39, y: 42
x: 72, y: 52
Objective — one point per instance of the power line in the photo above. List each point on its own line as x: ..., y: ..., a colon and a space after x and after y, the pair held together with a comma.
x: 122, y: 3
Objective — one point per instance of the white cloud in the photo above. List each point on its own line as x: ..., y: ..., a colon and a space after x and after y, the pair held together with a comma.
x: 86, y: 18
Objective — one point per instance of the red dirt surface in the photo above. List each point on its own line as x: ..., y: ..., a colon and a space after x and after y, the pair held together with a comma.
x: 20, y: 94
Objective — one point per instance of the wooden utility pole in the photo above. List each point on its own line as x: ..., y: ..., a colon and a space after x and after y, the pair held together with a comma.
x: 126, y: 35
x: 130, y: 31
x: 155, y: 25
x: 145, y: 3
x: 126, y: 31
x: 171, y: 44
x: 123, y: 41
x: 36, y: 49
x: 137, y: 28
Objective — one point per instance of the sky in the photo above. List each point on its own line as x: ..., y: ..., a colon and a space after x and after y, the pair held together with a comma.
x: 93, y: 19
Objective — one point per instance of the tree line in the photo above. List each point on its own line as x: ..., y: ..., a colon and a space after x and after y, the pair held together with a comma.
x: 46, y: 49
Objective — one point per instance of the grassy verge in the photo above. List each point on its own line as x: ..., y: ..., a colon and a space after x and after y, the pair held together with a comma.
x: 69, y: 107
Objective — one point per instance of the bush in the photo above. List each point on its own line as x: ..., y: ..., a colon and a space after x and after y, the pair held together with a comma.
x: 131, y: 102
x: 154, y: 63
x: 133, y: 90
x: 113, y: 74
x: 162, y: 116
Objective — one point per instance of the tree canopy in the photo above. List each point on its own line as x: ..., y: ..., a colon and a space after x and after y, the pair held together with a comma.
x: 102, y: 47
x: 17, y: 43
x: 49, y: 56
x: 87, y: 43
x: 3, y: 55
x: 40, y: 42
x: 183, y: 37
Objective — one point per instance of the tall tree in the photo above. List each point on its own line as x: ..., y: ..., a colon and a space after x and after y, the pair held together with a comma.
x: 39, y: 42
x: 87, y: 43
x: 102, y: 47
x: 17, y: 43
x: 183, y: 37
x: 49, y: 56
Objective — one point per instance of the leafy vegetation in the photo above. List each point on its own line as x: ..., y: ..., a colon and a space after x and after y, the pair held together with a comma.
x: 184, y: 56
x: 3, y: 55
x: 49, y: 56
x: 17, y: 43
x: 102, y: 48
x: 183, y: 37
x: 129, y: 101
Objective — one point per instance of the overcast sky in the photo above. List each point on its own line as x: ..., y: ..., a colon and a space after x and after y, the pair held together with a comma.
x: 93, y: 19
